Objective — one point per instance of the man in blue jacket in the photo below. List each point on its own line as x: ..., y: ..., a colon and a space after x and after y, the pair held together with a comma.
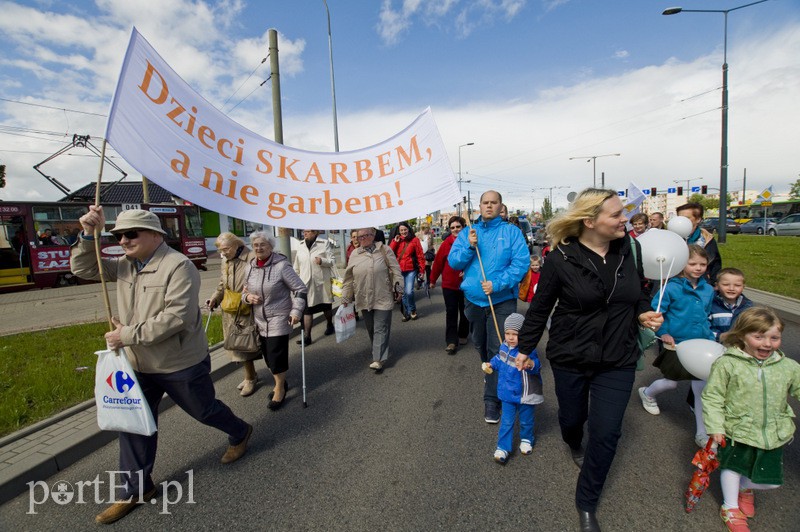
x: 505, y: 259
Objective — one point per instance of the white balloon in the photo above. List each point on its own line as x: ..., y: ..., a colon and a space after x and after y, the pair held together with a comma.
x: 663, y: 252
x: 681, y: 226
x: 697, y: 355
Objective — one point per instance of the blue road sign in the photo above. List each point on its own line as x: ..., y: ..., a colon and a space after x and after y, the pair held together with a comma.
x: 695, y: 189
x: 672, y: 190
x: 621, y: 193
x: 646, y: 192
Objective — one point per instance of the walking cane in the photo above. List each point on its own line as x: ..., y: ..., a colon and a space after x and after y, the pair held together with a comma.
x: 210, y: 311
x: 303, y: 364
x: 483, y: 274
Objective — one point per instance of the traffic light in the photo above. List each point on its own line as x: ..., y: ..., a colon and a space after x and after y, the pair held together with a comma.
x: 704, y: 189
x: 2, y: 175
x: 653, y: 192
x: 680, y: 191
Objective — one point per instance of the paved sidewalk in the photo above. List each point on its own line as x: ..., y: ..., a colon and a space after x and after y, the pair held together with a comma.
x: 41, y: 450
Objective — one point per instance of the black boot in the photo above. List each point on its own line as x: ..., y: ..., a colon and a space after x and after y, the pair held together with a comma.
x: 588, y: 521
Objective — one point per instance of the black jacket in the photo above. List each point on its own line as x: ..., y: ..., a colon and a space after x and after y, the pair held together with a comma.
x: 591, y: 328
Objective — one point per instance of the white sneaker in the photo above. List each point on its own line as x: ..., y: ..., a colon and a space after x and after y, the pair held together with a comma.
x: 525, y: 447
x: 500, y: 456
x: 376, y: 365
x: 648, y: 403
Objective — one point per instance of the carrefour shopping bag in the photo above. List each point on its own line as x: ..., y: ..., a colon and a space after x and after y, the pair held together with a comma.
x: 345, y: 322
x: 121, y: 405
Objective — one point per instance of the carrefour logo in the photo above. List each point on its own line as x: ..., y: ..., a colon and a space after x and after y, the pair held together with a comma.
x: 121, y: 382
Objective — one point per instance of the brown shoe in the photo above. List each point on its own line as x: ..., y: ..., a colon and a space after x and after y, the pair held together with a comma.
x: 235, y: 452
x: 120, y: 509
x: 451, y: 349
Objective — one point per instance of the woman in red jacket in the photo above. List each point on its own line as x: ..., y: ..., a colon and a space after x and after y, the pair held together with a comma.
x: 456, y: 327
x: 408, y: 250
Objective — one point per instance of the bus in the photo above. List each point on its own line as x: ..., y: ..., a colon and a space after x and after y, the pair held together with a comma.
x: 778, y: 209
x: 35, y: 239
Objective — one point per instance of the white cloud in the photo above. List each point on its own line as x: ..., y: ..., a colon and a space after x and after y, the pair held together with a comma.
x: 621, y: 54
x: 394, y: 23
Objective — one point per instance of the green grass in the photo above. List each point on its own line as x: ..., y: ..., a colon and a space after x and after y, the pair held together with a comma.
x: 45, y: 372
x: 770, y: 263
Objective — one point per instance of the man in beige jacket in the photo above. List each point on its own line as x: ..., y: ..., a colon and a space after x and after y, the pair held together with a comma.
x: 160, y: 328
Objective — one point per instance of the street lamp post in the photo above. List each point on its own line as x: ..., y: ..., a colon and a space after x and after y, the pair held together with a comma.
x: 593, y: 158
x: 723, y: 165
x: 333, y: 84
x: 459, y: 171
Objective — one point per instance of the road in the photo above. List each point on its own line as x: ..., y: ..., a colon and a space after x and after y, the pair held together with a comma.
x: 404, y: 450
x: 34, y: 310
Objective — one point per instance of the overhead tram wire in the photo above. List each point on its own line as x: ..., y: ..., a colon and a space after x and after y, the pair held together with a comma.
x: 55, y: 108
x: 602, y: 141
x: 251, y: 92
x: 264, y: 60
x: 583, y: 133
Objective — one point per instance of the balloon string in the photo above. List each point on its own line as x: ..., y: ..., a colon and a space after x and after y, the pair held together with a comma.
x: 664, y: 286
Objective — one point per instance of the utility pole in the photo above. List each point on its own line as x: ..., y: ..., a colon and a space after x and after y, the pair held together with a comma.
x: 284, y: 245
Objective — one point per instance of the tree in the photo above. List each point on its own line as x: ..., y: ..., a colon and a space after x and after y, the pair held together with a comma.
x: 547, y: 209
x: 794, y: 192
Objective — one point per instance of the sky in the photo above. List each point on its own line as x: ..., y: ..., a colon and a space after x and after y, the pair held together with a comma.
x: 531, y: 83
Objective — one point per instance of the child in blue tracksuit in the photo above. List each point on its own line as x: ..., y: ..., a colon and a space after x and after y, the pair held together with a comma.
x: 728, y: 301
x: 686, y: 305
x: 518, y: 390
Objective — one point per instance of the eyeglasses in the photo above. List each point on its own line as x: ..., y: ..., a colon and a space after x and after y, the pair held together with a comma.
x: 456, y: 226
x: 363, y: 237
x: 130, y: 235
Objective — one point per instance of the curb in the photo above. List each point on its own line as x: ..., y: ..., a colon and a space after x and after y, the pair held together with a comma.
x: 49, y: 459
x: 42, y: 460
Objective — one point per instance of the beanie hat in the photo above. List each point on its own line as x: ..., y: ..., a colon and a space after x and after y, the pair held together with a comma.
x: 137, y: 219
x: 514, y: 322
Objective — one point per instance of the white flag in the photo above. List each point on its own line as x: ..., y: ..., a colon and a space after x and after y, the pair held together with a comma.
x: 633, y: 203
x: 169, y: 133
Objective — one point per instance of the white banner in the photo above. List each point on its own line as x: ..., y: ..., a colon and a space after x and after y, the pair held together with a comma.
x: 169, y: 133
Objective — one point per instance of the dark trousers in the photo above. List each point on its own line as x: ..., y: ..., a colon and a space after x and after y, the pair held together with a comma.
x: 485, y: 340
x: 599, y: 398
x: 455, y: 322
x: 193, y: 390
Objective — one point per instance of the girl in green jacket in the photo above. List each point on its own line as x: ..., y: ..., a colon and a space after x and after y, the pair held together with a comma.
x: 745, y: 408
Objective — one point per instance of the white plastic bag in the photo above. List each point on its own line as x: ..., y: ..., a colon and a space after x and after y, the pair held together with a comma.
x: 345, y: 322
x: 121, y: 405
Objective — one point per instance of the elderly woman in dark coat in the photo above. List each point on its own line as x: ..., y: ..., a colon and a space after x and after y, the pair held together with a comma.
x: 235, y: 258
x: 278, y: 297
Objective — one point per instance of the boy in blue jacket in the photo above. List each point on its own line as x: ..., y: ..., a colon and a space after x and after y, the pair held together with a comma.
x: 518, y: 390
x: 728, y: 301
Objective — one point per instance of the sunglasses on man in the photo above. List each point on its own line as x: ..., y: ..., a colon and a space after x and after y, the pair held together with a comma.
x: 130, y: 235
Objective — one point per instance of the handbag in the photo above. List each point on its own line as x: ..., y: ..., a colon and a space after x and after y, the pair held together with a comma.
x: 121, y: 405
x: 344, y: 322
x: 336, y: 282
x: 242, y: 337
x: 232, y: 300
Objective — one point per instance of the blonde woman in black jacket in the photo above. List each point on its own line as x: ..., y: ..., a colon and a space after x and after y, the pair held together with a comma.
x: 599, y: 287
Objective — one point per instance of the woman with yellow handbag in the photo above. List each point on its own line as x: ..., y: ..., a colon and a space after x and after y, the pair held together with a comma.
x: 228, y: 295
